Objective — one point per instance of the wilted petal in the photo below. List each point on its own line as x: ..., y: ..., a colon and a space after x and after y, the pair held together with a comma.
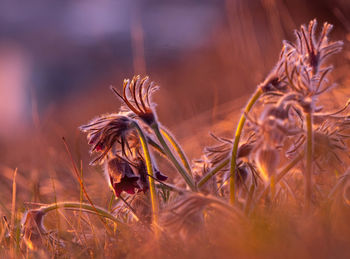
x: 122, y: 177
x: 160, y: 176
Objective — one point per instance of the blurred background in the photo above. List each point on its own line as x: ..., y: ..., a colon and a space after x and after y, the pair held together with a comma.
x: 58, y: 59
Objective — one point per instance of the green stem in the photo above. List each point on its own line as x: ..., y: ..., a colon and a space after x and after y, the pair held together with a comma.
x: 177, y: 148
x: 170, y: 155
x: 288, y: 167
x: 155, y: 145
x: 212, y: 172
x: 309, y: 151
x: 80, y: 206
x: 111, y: 201
x: 238, y: 134
x: 150, y: 172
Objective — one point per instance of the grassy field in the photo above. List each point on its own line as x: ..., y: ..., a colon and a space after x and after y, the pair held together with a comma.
x: 272, y: 181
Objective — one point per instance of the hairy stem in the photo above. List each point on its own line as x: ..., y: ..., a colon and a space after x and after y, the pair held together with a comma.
x: 81, y: 206
x: 155, y: 145
x: 170, y: 155
x: 177, y: 148
x: 212, y: 172
x: 237, y: 137
x: 150, y: 172
x: 309, y: 151
x: 288, y: 167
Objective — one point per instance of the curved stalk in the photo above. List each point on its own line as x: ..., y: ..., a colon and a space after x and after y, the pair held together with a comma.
x: 80, y: 206
x: 34, y: 218
x: 177, y: 148
x: 288, y: 167
x: 237, y: 137
x: 170, y: 155
x: 149, y: 165
x: 212, y: 172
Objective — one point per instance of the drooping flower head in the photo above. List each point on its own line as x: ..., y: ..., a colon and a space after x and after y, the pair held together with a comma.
x: 106, y: 131
x: 137, y: 97
x: 121, y: 176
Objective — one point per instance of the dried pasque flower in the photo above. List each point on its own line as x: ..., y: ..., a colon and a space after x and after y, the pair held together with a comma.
x: 105, y: 131
x: 137, y: 97
x: 121, y: 176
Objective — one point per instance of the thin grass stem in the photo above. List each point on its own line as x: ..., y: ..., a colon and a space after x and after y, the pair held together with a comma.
x: 81, y: 206
x: 155, y: 145
x: 77, y: 174
x: 13, y: 209
x: 177, y: 148
x: 237, y: 137
x: 110, y: 203
x: 181, y: 170
x: 58, y: 223
x: 249, y: 199
x: 212, y: 172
